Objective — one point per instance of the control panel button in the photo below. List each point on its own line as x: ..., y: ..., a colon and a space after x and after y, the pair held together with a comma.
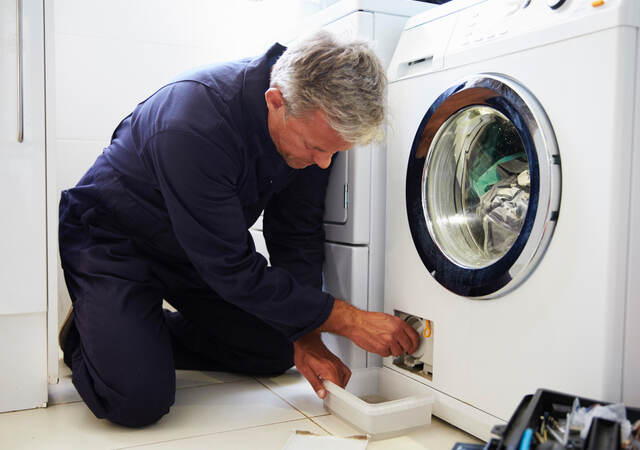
x: 597, y: 3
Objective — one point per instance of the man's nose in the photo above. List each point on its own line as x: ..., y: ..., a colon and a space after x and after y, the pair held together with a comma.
x: 323, y: 160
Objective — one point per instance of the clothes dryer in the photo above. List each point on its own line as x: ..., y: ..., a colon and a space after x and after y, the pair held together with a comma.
x: 512, y: 202
x: 354, y: 206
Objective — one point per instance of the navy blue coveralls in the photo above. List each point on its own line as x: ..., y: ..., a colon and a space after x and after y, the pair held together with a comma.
x: 164, y: 213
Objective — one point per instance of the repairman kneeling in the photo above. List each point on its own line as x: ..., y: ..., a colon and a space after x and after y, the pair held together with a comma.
x: 164, y: 213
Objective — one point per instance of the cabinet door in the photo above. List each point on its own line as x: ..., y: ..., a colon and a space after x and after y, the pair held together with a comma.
x: 23, y: 301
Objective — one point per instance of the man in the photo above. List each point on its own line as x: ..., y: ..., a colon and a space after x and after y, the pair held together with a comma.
x: 164, y: 213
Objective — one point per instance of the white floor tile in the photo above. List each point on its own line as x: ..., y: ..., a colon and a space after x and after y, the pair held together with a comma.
x: 438, y: 435
x: 267, y: 437
x: 197, y: 411
x: 295, y: 389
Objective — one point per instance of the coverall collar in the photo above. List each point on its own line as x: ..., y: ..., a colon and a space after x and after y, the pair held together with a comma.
x: 256, y: 82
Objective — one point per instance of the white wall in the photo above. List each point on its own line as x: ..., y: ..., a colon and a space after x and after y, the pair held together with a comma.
x: 105, y: 56
x: 111, y: 54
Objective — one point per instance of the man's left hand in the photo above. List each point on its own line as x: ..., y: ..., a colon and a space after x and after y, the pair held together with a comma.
x: 314, y: 360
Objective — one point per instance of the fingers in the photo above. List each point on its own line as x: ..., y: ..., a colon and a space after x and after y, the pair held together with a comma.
x: 414, y: 338
x: 384, y: 334
x: 335, y: 371
x: 317, y: 363
x: 401, y: 338
x: 345, y: 374
x: 314, y: 380
x: 396, y: 348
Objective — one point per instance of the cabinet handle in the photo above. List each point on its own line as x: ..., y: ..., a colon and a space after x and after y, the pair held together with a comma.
x: 19, y: 65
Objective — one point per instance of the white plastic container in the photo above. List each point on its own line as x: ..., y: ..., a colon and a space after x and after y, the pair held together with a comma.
x: 380, y: 401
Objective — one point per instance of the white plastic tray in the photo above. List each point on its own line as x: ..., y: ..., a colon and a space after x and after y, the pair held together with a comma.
x: 380, y: 401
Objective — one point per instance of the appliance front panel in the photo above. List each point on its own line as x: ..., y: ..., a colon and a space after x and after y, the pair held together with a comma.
x: 567, y: 317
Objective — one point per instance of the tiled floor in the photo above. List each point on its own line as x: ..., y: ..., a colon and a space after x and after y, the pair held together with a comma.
x: 212, y: 410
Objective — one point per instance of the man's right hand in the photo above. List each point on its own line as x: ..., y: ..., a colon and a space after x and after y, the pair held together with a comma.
x: 317, y: 363
x: 375, y: 332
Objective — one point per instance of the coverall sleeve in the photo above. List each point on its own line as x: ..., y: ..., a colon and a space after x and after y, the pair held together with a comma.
x: 293, y: 227
x: 198, y: 182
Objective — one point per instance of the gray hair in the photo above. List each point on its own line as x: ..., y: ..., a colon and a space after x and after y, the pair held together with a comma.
x: 345, y: 79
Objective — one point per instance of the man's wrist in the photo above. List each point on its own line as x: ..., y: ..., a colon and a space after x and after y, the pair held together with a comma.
x: 341, y: 320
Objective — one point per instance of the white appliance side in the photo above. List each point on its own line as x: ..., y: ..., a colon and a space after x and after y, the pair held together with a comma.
x: 567, y: 317
x: 350, y: 195
x: 23, y: 381
x: 353, y: 196
x: 631, y: 374
x: 52, y: 198
x: 23, y: 278
x: 337, y: 195
x: 387, y: 30
x: 340, y: 9
x: 377, y: 236
x: 345, y: 277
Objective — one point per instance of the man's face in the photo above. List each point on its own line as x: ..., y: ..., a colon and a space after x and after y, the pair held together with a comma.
x: 302, y: 141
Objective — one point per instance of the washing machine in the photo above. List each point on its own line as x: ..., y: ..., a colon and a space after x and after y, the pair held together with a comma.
x: 354, y: 212
x: 512, y: 209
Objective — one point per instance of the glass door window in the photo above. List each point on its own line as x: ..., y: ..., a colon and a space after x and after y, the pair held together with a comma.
x: 475, y: 188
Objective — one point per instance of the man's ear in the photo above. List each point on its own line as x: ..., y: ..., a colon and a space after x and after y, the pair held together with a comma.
x: 274, y: 99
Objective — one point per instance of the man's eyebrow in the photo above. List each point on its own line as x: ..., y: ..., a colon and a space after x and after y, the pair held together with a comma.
x: 319, y: 149
x: 314, y: 146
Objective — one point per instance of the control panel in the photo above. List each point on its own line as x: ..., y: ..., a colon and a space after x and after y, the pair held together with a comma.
x: 499, y: 19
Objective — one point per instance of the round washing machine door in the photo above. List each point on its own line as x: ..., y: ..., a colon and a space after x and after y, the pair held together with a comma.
x: 483, y: 186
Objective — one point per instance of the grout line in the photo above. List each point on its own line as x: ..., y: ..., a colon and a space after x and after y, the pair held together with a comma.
x: 297, y: 409
x: 212, y: 383
x: 282, y: 398
x: 209, y: 434
x: 320, y: 426
x: 292, y: 405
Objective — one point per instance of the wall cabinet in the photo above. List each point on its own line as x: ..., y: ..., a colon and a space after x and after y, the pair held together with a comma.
x: 23, y: 275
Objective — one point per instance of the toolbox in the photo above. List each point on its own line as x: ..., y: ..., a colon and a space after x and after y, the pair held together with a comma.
x: 540, y: 423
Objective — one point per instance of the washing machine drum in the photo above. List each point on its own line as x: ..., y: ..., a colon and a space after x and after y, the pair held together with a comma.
x: 483, y: 186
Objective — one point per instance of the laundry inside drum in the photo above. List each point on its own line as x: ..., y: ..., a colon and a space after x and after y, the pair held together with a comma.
x: 475, y: 187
